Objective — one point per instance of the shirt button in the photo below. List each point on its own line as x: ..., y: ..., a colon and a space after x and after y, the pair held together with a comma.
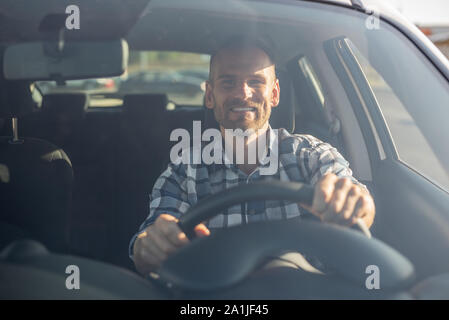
x: 252, y: 211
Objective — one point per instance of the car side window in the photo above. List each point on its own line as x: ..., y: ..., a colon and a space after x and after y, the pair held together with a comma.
x: 36, y: 95
x: 312, y: 78
x: 312, y: 116
x: 409, y: 138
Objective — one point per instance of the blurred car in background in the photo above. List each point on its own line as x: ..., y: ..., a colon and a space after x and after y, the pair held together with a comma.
x: 202, y: 74
x: 170, y: 82
x: 100, y: 84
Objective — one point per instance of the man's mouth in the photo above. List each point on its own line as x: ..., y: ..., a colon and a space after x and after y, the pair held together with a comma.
x: 243, y: 109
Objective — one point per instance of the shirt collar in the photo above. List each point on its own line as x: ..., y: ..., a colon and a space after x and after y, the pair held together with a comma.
x: 273, y: 143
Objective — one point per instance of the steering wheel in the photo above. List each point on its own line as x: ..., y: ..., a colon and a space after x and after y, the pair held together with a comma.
x: 230, y: 255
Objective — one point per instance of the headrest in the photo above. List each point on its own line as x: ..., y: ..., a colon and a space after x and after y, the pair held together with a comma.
x: 145, y: 104
x: 283, y: 116
x: 15, y: 96
x: 15, y: 99
x: 71, y: 105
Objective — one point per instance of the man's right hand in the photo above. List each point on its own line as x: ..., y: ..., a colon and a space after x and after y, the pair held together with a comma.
x: 160, y: 240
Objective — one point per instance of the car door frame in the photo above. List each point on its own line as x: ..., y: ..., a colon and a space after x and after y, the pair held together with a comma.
x: 415, y: 220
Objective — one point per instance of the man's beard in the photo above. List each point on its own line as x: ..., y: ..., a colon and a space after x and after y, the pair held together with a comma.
x: 262, y: 114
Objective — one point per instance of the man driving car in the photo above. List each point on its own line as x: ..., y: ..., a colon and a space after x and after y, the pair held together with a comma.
x: 241, y: 91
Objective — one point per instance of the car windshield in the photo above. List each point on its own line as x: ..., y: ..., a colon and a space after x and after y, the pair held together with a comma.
x: 346, y: 77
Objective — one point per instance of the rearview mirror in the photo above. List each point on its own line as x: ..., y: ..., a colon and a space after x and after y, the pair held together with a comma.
x: 70, y: 60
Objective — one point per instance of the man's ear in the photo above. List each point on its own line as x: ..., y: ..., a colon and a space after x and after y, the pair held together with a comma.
x: 208, y: 97
x: 275, y: 94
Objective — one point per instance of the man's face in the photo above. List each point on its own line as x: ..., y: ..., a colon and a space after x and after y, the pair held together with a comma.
x: 242, y: 88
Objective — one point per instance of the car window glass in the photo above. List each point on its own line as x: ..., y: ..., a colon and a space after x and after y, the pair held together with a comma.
x: 36, y: 95
x: 410, y: 141
x: 312, y: 78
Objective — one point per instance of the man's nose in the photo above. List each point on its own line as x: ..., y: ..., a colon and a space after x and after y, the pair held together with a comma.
x: 243, y: 91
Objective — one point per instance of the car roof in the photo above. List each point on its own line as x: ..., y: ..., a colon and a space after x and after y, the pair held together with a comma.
x: 24, y: 20
x: 164, y: 23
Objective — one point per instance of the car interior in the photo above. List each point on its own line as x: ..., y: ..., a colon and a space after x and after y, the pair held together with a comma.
x: 78, y: 177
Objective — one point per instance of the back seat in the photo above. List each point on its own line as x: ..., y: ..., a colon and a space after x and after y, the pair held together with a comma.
x: 95, y: 187
x: 60, y: 122
x: 142, y: 150
x: 117, y: 154
x: 89, y: 140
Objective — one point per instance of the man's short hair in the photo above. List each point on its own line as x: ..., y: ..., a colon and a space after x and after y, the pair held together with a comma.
x: 244, y: 42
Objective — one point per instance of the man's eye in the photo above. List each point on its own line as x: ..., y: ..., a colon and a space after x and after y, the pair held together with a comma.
x: 227, y: 83
x: 255, y: 82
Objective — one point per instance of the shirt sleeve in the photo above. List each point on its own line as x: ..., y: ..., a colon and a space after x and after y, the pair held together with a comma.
x: 320, y: 158
x: 169, y: 196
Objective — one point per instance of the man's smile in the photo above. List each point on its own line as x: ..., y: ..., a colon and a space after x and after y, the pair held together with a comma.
x: 243, y: 109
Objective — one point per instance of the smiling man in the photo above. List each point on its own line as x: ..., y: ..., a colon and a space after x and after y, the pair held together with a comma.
x: 241, y: 90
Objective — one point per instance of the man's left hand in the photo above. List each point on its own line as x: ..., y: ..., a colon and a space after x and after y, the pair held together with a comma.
x: 341, y: 201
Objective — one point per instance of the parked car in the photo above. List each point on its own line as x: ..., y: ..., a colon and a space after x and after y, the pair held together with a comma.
x: 370, y: 83
x: 169, y: 82
x: 202, y: 74
x: 88, y: 85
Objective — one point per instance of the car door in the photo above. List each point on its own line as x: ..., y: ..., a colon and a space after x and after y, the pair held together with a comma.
x: 401, y: 103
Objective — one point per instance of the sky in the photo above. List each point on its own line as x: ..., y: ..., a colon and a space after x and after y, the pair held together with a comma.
x: 423, y: 12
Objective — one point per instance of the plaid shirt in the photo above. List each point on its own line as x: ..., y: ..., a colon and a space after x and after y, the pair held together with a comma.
x: 302, y: 158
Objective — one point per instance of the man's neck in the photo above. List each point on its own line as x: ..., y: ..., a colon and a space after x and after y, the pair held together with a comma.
x: 250, y: 144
